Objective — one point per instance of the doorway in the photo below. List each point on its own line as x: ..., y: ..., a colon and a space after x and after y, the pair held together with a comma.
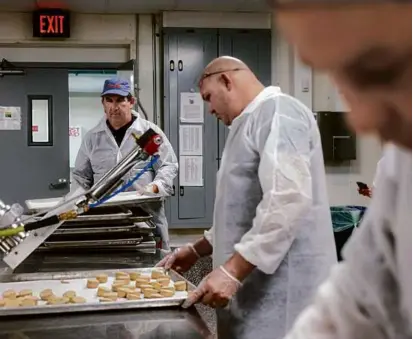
x: 35, y: 146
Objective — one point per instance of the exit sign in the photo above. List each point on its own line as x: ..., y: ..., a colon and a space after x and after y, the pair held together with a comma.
x: 51, y: 23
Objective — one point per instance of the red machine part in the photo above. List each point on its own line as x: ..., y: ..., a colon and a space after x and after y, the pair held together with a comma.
x: 153, y: 145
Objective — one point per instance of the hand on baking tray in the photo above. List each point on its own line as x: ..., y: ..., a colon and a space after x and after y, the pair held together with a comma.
x: 215, y: 290
x: 150, y: 189
x: 181, y: 259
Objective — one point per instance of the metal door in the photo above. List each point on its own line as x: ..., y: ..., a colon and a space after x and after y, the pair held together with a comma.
x: 254, y: 48
x: 31, y: 168
x: 186, y: 53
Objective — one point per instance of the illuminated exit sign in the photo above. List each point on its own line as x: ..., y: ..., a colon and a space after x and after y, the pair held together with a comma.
x: 51, y: 23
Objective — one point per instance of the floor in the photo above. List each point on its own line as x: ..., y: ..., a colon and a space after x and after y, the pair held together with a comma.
x: 179, y: 238
x: 198, y: 271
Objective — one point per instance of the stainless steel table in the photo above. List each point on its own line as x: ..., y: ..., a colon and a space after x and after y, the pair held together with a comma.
x: 144, y: 324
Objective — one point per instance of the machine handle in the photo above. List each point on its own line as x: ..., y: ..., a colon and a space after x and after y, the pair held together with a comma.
x: 171, y: 65
x: 62, y: 183
x: 173, y: 190
x: 180, y: 65
x: 181, y: 191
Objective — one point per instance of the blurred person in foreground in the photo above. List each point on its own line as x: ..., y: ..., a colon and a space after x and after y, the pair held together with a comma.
x: 366, y: 48
x: 272, y: 241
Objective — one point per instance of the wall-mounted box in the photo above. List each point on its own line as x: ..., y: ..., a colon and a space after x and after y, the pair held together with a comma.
x: 338, y: 140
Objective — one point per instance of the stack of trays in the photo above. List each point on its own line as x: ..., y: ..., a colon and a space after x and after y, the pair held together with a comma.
x: 105, y: 228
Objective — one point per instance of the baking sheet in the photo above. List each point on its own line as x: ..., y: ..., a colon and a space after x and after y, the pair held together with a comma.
x: 120, y: 199
x: 76, y: 281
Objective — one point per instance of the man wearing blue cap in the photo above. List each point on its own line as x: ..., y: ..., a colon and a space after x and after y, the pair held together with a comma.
x: 105, y: 145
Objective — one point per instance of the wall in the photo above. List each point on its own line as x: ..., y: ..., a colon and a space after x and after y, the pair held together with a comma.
x: 341, y: 181
x: 94, y: 38
x: 290, y: 74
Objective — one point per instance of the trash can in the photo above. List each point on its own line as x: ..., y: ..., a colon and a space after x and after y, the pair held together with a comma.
x: 345, y: 220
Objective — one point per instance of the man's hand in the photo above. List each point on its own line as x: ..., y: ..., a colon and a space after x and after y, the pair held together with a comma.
x: 221, y: 284
x: 216, y: 290
x: 150, y: 189
x: 181, y: 259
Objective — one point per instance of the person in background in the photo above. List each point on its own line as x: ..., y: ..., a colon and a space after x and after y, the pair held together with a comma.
x: 106, y: 144
x: 272, y: 239
x: 369, y: 294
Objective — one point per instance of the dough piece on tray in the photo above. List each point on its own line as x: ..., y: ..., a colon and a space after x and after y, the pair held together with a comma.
x: 180, y: 286
x: 133, y: 296
x: 164, y: 281
x: 166, y: 293
x: 102, y: 278
x: 58, y: 301
x: 122, y: 276
x: 134, y: 275
x: 46, y: 294
x: 170, y: 288
x: 142, y: 281
x: 148, y: 292
x: 102, y: 290
x: 145, y: 287
x: 111, y: 295
x: 25, y: 293
x: 157, y: 273
x: 156, y: 286
x: 10, y: 294
x: 69, y: 294
x: 122, y: 292
x: 12, y: 303
x: 118, y: 285
x: 28, y: 302
x: 92, y: 283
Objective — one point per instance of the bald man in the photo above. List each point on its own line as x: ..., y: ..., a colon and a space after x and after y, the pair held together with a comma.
x: 369, y: 294
x: 271, y: 240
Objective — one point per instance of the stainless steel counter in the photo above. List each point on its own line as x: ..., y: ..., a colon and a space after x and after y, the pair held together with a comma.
x: 144, y: 324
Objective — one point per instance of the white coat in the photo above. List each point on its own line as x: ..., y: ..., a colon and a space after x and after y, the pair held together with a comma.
x: 99, y: 153
x: 369, y: 294
x: 271, y: 207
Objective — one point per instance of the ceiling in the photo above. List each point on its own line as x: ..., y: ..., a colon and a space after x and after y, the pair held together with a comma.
x: 135, y: 6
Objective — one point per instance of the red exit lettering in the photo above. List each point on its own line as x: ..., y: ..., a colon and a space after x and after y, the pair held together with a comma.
x: 51, y: 24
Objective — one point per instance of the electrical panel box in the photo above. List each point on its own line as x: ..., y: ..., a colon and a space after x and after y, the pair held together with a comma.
x: 338, y: 141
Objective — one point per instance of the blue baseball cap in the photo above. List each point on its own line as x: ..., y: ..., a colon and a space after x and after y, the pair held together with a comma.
x: 117, y: 87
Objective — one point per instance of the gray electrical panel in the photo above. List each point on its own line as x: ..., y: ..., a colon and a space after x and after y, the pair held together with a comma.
x: 253, y: 46
x: 186, y: 52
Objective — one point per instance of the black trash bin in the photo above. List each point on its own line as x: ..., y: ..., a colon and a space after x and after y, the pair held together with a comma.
x: 345, y: 220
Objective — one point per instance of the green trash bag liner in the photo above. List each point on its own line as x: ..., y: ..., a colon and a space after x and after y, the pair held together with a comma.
x: 345, y: 217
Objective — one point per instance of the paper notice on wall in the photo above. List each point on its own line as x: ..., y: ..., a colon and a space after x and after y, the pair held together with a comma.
x: 192, y: 107
x: 10, y: 118
x: 190, y: 139
x: 190, y: 171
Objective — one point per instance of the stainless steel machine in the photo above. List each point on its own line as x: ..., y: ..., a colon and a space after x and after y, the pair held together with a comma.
x: 20, y: 237
x: 102, y: 229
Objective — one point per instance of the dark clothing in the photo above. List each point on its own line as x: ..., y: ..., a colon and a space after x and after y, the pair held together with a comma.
x: 119, y: 134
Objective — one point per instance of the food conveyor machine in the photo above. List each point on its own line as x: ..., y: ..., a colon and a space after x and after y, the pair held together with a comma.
x: 121, y: 224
